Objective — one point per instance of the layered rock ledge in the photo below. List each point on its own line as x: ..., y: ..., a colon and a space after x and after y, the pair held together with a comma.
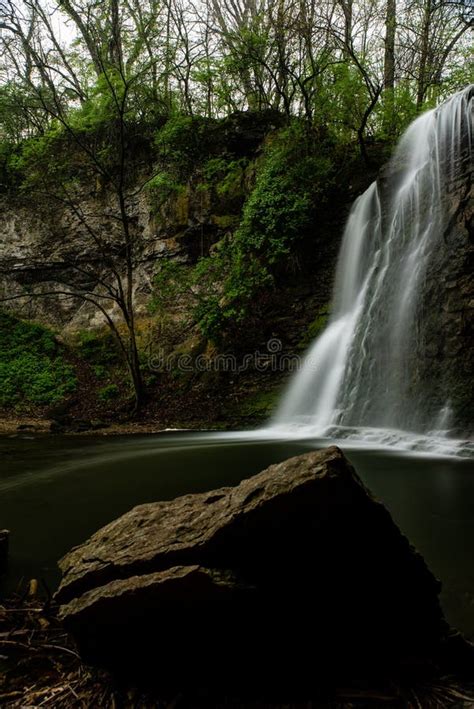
x: 294, y: 577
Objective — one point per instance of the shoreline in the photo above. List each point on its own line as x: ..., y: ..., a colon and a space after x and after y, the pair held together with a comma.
x: 16, y: 427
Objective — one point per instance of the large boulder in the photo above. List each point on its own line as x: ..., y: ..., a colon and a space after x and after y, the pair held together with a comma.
x: 297, y: 574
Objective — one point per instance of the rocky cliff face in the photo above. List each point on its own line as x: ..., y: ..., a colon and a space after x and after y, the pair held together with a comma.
x: 44, y: 248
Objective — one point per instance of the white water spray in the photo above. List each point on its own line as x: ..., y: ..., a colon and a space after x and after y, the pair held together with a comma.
x: 362, y: 377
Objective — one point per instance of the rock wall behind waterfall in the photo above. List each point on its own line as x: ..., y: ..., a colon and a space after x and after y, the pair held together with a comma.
x: 38, y: 243
x: 446, y: 352
x: 442, y: 359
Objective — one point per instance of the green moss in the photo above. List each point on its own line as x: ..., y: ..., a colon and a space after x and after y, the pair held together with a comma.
x: 100, y: 371
x: 215, y: 168
x: 315, y: 328
x: 161, y: 187
x: 181, y: 207
x: 225, y: 221
x: 258, y: 405
x: 318, y: 324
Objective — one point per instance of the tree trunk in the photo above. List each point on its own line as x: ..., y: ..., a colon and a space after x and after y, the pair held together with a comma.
x: 389, y: 59
x: 425, y: 41
x: 347, y: 10
x: 136, y: 373
x: 389, y: 66
x: 363, y: 125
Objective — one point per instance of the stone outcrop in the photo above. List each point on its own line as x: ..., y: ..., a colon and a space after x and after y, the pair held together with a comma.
x: 297, y: 574
x: 44, y: 249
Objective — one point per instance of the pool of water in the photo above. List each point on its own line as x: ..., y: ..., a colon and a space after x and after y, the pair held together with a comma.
x: 56, y: 491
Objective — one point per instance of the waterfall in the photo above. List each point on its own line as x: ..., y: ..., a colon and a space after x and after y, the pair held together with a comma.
x: 368, y: 373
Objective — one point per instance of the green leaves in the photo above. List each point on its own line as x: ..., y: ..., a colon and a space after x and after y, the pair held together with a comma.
x: 162, y: 186
x: 98, y: 348
x: 108, y: 392
x: 32, y: 369
x: 276, y: 215
x: 183, y: 140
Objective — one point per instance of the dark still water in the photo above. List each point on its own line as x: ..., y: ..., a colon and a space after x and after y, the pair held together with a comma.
x: 56, y: 491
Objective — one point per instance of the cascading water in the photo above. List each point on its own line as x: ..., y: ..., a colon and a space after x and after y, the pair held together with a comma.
x: 367, y: 374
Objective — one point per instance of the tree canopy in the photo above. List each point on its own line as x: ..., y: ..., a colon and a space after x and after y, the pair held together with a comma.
x: 342, y: 63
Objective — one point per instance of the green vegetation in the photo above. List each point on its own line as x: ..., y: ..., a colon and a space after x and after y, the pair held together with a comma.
x: 99, y: 349
x: 295, y: 171
x: 32, y: 366
x: 108, y: 392
x: 161, y: 187
x: 292, y: 181
x: 183, y: 141
x: 226, y: 175
x: 315, y: 328
x: 258, y: 406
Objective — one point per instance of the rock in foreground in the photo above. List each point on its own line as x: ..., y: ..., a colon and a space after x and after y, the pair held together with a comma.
x: 297, y: 575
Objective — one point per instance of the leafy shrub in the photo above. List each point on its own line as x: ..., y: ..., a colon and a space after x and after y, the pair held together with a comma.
x: 108, y: 392
x: 162, y: 186
x: 40, y: 158
x: 99, y: 112
x: 32, y: 368
x: 98, y: 348
x: 225, y: 173
x: 183, y: 140
x: 215, y: 168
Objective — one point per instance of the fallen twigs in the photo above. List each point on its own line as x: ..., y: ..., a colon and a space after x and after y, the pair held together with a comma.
x: 41, y: 667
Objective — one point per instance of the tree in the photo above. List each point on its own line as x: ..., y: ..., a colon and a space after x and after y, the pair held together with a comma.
x: 106, y: 160
x: 430, y: 31
x: 389, y: 57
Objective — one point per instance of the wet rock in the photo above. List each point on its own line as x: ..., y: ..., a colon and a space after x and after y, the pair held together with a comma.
x: 26, y: 428
x: 68, y: 424
x: 57, y: 427
x: 294, y: 576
